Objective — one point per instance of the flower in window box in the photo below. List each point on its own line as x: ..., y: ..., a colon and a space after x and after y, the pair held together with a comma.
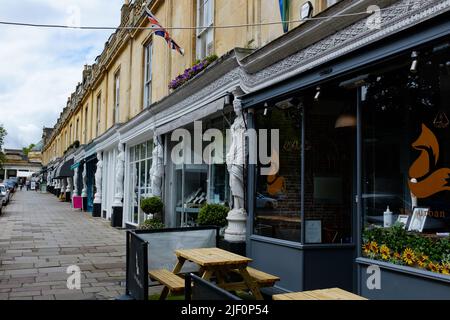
x: 366, y: 248
x: 409, y: 256
x: 385, y: 252
x: 445, y: 269
x: 374, y: 247
x: 422, y: 261
x: 433, y: 267
x: 397, y: 256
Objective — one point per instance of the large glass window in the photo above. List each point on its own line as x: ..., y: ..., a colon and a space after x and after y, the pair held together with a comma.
x: 278, y: 195
x: 330, y: 164
x: 140, y: 180
x: 406, y: 165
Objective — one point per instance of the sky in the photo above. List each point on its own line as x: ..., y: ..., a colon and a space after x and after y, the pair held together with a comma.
x: 40, y: 68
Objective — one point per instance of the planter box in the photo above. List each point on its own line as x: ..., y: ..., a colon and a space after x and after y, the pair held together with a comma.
x: 401, y: 282
x: 235, y: 247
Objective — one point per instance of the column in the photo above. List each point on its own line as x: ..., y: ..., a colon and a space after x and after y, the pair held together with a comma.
x: 69, y: 189
x: 84, y: 190
x: 97, y: 212
x: 117, y: 214
x: 75, y: 183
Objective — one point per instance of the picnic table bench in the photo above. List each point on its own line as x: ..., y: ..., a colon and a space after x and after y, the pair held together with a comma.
x: 323, y: 294
x: 214, y: 262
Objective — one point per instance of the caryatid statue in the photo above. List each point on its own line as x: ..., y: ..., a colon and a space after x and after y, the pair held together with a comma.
x: 157, y: 169
x: 235, y: 158
x: 120, y: 170
x: 98, y: 178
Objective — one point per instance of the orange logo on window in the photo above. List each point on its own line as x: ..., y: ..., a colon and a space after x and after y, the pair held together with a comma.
x: 425, y: 178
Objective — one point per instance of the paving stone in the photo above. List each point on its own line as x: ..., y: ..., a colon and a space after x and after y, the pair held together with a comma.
x: 40, y: 237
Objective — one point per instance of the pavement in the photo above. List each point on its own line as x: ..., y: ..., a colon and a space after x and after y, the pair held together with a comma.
x: 41, y: 237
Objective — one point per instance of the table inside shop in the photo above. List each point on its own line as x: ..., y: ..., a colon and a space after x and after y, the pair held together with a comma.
x: 323, y: 294
x: 220, y: 263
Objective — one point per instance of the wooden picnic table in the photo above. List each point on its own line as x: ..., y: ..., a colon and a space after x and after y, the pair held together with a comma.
x: 220, y: 263
x: 323, y: 294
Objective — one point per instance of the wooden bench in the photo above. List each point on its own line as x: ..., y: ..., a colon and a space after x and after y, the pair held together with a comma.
x: 172, y: 282
x: 324, y: 294
x: 262, y: 278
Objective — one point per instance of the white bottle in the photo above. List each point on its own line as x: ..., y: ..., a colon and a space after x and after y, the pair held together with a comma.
x: 387, y: 218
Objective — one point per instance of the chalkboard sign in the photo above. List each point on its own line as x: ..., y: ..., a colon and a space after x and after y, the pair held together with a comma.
x: 137, y: 267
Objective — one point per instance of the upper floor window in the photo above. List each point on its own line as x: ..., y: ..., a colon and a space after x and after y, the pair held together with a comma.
x: 71, y: 133
x: 205, y: 35
x: 148, y: 75
x: 77, y: 129
x: 85, y: 123
x: 99, y: 110
x: 116, y: 97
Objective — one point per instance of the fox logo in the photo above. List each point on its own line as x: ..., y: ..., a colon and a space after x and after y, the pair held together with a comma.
x: 426, y: 179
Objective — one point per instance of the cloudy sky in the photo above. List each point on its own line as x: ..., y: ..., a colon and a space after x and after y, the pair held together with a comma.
x: 39, y: 68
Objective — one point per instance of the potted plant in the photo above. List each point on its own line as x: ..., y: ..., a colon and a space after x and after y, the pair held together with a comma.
x: 152, y: 206
x: 151, y: 224
x: 213, y: 215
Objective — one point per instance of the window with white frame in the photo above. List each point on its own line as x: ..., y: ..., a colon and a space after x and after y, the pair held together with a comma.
x: 116, y: 97
x: 99, y: 110
x: 85, y: 123
x: 148, y: 75
x: 140, y: 180
x: 77, y: 128
x: 205, y: 35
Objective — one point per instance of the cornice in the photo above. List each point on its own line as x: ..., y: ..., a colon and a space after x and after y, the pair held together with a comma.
x: 396, y: 18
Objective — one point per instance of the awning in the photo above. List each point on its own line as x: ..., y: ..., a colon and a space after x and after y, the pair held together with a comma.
x: 76, y: 165
x: 64, y: 170
x: 186, y: 119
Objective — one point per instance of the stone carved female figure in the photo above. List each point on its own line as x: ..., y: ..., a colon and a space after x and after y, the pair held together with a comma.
x: 120, y: 169
x: 157, y: 170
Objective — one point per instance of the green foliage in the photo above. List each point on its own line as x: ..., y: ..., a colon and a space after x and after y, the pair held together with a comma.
x: 152, y: 205
x: 26, y: 150
x: 398, y: 239
x: 213, y: 214
x: 152, y: 224
x: 3, y: 134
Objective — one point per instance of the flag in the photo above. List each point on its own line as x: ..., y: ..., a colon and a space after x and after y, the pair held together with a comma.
x: 284, y: 10
x: 160, y: 31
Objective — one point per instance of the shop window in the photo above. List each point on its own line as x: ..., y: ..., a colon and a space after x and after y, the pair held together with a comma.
x: 198, y: 184
x: 140, y: 180
x: 278, y: 196
x: 330, y: 162
x: 406, y: 166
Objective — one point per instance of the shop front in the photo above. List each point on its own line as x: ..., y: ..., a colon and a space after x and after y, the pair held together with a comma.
x: 360, y: 196
x: 194, y: 178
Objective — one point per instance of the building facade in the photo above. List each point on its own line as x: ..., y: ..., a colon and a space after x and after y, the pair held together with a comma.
x: 356, y: 158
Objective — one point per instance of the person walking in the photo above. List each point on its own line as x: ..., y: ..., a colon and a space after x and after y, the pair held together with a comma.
x: 28, y: 185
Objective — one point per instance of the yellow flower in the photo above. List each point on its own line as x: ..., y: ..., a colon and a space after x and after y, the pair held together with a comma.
x: 424, y: 258
x: 385, y: 252
x: 408, y: 256
x: 421, y: 263
x: 397, y: 256
x: 373, y: 247
x: 445, y: 269
x: 366, y: 247
x: 433, y: 267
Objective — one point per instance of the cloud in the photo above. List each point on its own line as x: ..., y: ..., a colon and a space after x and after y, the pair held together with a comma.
x: 41, y: 67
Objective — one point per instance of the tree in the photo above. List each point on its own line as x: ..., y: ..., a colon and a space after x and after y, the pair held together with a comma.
x: 3, y: 134
x: 26, y: 150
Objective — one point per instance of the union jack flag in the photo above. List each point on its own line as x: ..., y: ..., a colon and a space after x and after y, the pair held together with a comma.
x: 160, y: 31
